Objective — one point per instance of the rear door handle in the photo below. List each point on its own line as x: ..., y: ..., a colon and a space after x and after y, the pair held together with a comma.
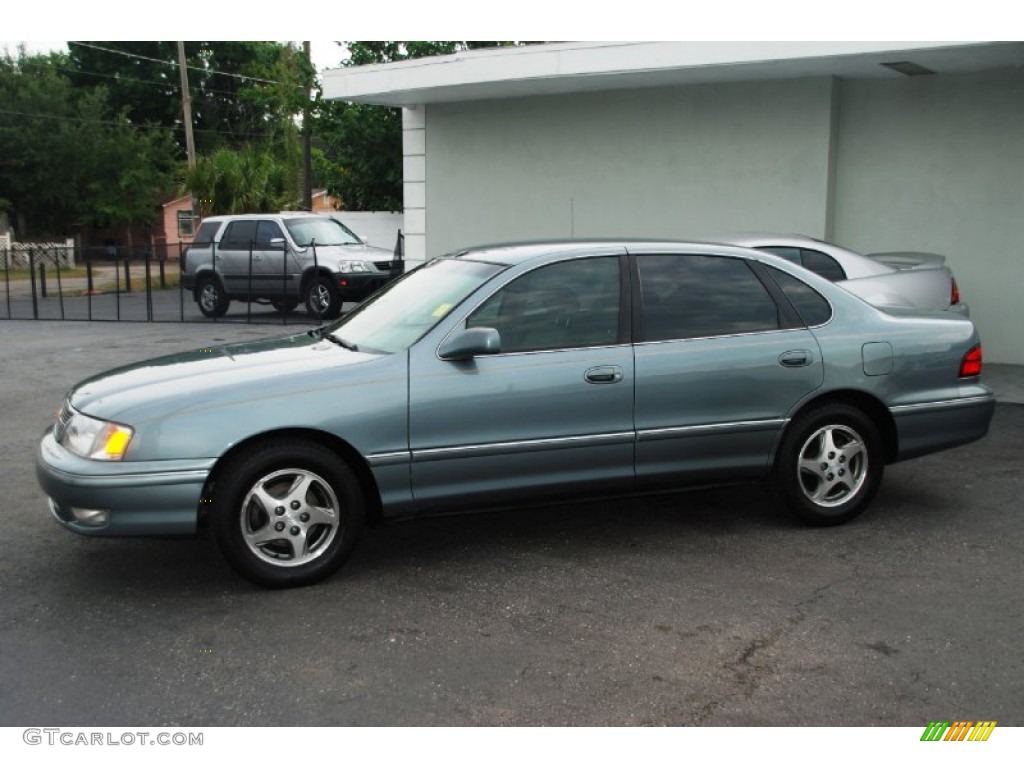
x: 796, y: 358
x: 603, y: 374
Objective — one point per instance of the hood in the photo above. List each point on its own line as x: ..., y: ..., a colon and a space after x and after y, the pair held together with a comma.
x: 203, y: 377
x: 371, y: 253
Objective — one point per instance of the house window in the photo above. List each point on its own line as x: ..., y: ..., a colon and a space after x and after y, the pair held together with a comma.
x: 186, y: 224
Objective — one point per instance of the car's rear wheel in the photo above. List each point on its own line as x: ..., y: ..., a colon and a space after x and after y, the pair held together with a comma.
x: 287, y: 514
x: 212, y: 300
x: 323, y: 300
x: 830, y: 464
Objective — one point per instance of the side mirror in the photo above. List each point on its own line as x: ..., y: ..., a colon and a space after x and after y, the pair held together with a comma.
x: 277, y: 243
x: 470, y: 343
x: 365, y: 240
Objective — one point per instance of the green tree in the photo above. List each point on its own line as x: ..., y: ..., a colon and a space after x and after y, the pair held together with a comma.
x: 68, y: 158
x: 242, y: 92
x: 361, y: 144
x: 248, y: 180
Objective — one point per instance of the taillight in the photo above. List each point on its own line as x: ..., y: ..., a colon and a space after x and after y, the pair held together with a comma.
x: 954, y: 292
x: 971, y: 364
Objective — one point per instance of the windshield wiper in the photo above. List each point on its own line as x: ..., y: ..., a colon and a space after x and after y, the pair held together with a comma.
x: 321, y: 333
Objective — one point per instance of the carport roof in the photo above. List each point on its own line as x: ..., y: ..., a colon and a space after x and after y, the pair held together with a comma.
x: 558, y: 68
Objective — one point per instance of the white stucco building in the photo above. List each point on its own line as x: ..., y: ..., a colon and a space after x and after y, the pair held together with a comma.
x: 876, y: 146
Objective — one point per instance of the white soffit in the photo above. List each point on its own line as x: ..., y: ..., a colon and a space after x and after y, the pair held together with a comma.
x: 497, y: 73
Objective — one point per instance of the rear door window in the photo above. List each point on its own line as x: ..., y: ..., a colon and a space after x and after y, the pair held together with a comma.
x: 693, y: 296
x: 238, y: 236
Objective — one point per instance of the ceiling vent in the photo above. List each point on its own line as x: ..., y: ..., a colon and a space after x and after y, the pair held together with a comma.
x: 908, y: 68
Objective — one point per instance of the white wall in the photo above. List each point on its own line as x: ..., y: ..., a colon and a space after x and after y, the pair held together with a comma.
x: 380, y: 228
x: 671, y: 162
x: 937, y: 164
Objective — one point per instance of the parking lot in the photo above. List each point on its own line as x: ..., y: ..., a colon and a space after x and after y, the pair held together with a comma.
x: 706, y: 608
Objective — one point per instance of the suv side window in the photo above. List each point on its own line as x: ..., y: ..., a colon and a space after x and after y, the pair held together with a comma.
x: 265, y: 232
x: 561, y: 306
x: 238, y: 236
x: 206, y: 232
x: 688, y: 297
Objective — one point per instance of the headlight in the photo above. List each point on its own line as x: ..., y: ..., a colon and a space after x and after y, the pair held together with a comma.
x: 356, y: 265
x: 93, y: 438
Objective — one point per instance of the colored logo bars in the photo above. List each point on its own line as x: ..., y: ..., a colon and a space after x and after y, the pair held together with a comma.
x: 960, y: 730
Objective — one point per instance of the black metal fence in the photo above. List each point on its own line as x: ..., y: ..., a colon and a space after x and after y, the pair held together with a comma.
x: 119, y: 284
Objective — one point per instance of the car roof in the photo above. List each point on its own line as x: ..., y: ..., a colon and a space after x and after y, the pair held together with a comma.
x: 753, y: 239
x: 510, y: 254
x: 269, y: 215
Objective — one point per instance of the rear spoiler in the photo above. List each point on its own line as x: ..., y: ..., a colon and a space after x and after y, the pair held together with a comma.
x: 909, y: 259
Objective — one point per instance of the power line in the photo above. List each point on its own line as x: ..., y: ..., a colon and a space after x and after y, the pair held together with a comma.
x: 174, y: 64
x: 164, y: 83
x: 133, y: 126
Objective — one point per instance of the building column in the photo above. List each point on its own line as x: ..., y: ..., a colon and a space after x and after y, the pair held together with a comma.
x: 414, y: 183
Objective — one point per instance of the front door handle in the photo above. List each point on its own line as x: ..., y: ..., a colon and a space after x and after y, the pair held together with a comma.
x: 603, y: 374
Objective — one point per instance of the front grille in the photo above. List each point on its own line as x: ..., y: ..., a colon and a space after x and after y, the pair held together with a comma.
x: 63, y: 418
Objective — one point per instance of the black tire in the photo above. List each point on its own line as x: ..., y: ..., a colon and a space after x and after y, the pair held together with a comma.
x: 284, y: 306
x: 316, y: 519
x: 323, y: 300
x: 829, y: 465
x: 211, y: 298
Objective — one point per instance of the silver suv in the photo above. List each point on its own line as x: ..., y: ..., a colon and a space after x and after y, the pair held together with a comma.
x: 283, y: 259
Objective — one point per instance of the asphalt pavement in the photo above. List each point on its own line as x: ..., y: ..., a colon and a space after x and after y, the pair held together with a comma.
x: 703, y: 608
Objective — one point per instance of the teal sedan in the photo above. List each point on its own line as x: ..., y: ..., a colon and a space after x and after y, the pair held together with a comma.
x: 518, y: 374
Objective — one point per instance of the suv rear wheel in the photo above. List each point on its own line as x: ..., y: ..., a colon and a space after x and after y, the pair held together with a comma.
x: 210, y: 296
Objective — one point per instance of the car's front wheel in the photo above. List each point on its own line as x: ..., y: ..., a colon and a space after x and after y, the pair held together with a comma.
x: 212, y: 300
x: 830, y: 464
x: 287, y: 514
x: 323, y: 299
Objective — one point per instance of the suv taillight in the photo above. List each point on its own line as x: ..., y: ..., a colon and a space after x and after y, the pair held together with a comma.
x: 954, y: 292
x: 971, y: 363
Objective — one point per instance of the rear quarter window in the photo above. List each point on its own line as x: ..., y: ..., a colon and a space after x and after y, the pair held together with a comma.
x: 206, y: 232
x: 812, y: 307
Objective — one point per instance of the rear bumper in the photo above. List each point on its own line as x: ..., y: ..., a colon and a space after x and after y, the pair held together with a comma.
x: 929, y: 427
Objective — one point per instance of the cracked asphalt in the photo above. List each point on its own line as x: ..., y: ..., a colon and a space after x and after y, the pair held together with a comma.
x: 705, y: 608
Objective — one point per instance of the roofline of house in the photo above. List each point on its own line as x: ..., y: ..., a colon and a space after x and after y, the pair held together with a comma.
x: 558, y: 68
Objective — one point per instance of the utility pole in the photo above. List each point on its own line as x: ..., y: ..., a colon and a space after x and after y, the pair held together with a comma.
x: 186, y: 107
x: 307, y: 141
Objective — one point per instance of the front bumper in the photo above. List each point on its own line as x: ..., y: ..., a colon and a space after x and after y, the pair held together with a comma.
x: 140, y: 498
x: 356, y: 286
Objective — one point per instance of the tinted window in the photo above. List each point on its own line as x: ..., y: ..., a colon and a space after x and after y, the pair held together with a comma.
x: 785, y: 251
x: 814, y: 309
x: 687, y: 297
x: 570, y: 304
x: 823, y: 264
x: 238, y: 236
x: 265, y: 232
x: 206, y: 232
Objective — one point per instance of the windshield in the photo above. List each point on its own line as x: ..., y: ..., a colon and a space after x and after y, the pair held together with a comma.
x: 322, y: 229
x: 400, y: 314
